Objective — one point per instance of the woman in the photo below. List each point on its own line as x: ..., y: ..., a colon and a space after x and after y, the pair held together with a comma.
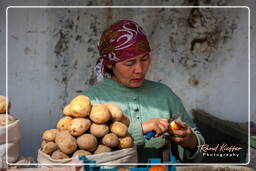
x: 124, y: 62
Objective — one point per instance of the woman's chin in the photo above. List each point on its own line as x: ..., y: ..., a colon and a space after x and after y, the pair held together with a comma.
x: 135, y: 84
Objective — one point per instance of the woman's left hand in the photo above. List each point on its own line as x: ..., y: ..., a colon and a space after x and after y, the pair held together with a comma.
x: 184, y: 136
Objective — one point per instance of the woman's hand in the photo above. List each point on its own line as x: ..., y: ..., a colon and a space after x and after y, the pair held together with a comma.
x: 159, y: 125
x: 184, y: 136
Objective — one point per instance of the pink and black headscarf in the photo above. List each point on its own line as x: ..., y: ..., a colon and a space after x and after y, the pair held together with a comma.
x: 122, y: 40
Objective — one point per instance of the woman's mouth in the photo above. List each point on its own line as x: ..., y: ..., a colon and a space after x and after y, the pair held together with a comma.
x: 137, y: 80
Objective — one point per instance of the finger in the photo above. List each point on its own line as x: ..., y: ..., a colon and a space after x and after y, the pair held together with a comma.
x: 180, y: 123
x: 177, y: 140
x: 165, y: 125
x: 180, y: 133
x: 163, y: 120
x: 163, y: 128
x: 158, y: 131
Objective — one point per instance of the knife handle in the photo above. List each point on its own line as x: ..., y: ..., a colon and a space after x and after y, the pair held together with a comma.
x: 150, y: 134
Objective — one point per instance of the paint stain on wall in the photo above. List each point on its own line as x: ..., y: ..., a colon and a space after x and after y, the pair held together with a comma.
x: 14, y: 37
x: 74, y: 31
x: 27, y: 50
x: 203, y: 32
x: 193, y: 81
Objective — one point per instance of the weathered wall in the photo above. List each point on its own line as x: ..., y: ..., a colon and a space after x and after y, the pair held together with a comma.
x: 201, y: 54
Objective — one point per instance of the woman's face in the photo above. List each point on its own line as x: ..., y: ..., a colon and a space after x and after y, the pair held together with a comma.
x: 131, y: 72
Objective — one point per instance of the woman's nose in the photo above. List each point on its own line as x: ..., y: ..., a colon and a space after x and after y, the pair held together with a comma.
x: 138, y: 68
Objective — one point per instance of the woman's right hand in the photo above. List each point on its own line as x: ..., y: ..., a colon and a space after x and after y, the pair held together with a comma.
x: 159, y: 125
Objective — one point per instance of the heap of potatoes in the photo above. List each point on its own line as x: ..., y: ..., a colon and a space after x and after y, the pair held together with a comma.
x: 5, y: 106
x: 87, y: 129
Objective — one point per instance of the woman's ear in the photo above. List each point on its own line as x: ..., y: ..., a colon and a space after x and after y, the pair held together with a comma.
x: 109, y: 66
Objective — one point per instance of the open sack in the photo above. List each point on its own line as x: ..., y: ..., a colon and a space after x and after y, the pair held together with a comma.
x: 12, y: 143
x: 124, y: 156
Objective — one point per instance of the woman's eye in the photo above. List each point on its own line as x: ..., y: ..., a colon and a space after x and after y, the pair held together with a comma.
x: 144, y: 59
x: 128, y: 64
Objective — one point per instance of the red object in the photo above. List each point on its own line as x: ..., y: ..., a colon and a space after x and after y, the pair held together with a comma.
x: 158, y: 168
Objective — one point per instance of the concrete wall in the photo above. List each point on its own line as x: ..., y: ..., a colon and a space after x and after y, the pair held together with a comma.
x: 201, y: 54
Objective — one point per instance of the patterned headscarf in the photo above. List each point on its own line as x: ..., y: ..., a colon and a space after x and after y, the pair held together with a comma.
x: 122, y: 40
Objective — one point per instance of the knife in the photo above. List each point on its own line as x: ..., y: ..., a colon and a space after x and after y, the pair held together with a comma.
x: 150, y: 134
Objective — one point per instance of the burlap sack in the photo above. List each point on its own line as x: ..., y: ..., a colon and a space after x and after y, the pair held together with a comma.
x: 12, y: 144
x: 108, y: 159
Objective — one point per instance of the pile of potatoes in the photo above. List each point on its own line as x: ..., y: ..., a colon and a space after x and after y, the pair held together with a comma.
x: 5, y: 106
x: 87, y: 129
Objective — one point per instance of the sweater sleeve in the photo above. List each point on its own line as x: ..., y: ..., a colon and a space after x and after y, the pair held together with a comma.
x: 184, y: 154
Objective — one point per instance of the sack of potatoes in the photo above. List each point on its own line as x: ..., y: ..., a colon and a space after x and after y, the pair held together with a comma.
x: 5, y: 117
x: 10, y: 141
x: 87, y: 129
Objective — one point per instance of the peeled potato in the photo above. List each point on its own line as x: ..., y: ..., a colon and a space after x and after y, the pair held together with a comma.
x: 119, y: 129
x: 115, y: 111
x: 87, y: 142
x: 49, y: 147
x: 80, y: 106
x: 66, y: 142
x: 67, y: 110
x: 99, y: 130
x: 110, y: 140
x: 125, y: 120
x: 81, y: 153
x: 102, y: 149
x: 100, y: 113
x: 79, y: 126
x: 10, y: 118
x: 50, y: 134
x: 57, y: 155
x: 64, y: 123
x: 125, y: 142
x: 174, y: 126
x: 4, y: 107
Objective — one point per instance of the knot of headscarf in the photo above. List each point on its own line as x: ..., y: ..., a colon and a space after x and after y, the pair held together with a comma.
x: 122, y: 40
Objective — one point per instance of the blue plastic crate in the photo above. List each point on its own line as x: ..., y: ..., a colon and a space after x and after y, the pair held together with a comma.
x: 152, y: 162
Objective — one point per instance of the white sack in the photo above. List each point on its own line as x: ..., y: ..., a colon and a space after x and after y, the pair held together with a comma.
x: 124, y: 156
x: 13, y: 140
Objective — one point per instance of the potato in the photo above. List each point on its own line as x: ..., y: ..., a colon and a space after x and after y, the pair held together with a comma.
x: 125, y: 119
x: 49, y: 147
x: 100, y: 113
x: 64, y: 123
x: 80, y: 106
x: 4, y: 107
x: 125, y: 142
x: 50, y: 134
x: 119, y: 129
x: 110, y: 140
x: 102, y: 149
x: 81, y: 153
x: 66, y: 142
x: 42, y: 144
x: 67, y: 110
x: 11, y: 119
x: 87, y: 142
x: 115, y: 111
x: 99, y: 130
x: 79, y: 126
x: 57, y: 155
